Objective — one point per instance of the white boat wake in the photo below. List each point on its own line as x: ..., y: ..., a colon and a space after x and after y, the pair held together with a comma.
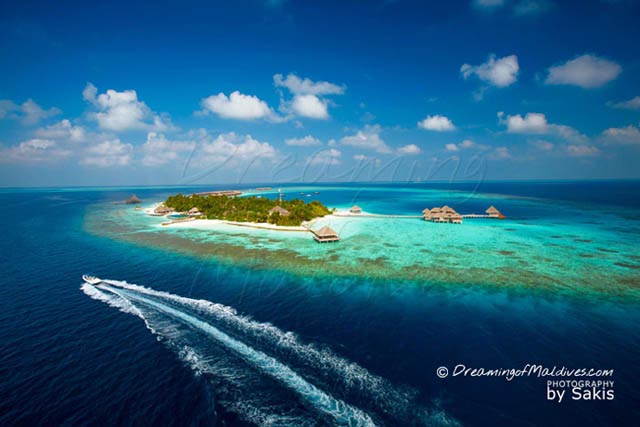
x: 214, y: 340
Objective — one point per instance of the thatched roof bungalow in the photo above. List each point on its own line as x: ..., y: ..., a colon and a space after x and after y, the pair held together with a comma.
x: 194, y: 211
x: 325, y: 235
x: 355, y: 210
x: 493, y: 212
x: 456, y: 218
x: 441, y: 217
x: 280, y: 210
x: 161, y: 209
x: 448, y: 210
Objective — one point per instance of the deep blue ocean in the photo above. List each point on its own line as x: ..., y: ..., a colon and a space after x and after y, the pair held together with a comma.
x: 278, y: 349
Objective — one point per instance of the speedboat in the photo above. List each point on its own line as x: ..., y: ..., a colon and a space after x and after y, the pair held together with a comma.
x: 91, y: 279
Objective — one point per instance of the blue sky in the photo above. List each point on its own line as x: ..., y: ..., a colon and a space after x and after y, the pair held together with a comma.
x: 123, y: 93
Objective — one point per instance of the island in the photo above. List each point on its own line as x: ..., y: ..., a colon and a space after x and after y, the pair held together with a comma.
x: 249, y: 209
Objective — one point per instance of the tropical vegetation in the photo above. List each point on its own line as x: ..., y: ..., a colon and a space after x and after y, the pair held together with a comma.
x: 249, y: 208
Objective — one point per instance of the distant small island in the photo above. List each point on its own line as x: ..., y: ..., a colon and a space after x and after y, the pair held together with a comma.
x: 252, y: 209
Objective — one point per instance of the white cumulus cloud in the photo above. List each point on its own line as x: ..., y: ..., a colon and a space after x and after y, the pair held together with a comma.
x: 623, y: 135
x: 582, y: 150
x: 586, y: 71
x: 368, y: 138
x: 33, y: 150
x: 307, y: 141
x: 308, y: 96
x: 305, y: 86
x: 310, y: 106
x: 63, y: 130
x: 326, y: 157
x: 158, y: 150
x: 500, y: 72
x: 632, y: 104
x: 530, y: 123
x: 233, y: 149
x: 437, y: 123
x: 410, y: 149
x: 467, y: 143
x: 537, y: 123
x: 237, y: 106
x: 108, y: 153
x: 28, y: 113
x: 122, y: 111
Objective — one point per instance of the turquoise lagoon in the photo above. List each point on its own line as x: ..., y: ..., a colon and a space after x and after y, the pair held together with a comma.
x: 566, y: 246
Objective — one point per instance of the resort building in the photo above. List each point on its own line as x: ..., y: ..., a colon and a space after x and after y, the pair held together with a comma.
x: 443, y: 214
x: 279, y: 209
x: 355, y: 210
x: 325, y: 235
x: 493, y: 212
x: 161, y: 209
x: 194, y: 211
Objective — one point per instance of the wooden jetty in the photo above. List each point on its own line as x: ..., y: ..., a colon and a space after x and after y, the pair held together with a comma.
x: 370, y: 215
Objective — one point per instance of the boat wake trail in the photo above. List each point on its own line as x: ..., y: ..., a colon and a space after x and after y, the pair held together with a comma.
x: 261, y: 374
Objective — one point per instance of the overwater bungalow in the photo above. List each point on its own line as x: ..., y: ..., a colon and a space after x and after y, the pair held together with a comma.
x: 279, y: 209
x: 493, y: 212
x: 426, y: 214
x: 355, y: 210
x: 443, y: 214
x: 325, y: 235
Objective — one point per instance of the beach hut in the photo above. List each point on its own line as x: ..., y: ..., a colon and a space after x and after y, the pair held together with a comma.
x: 161, y: 209
x: 133, y: 200
x: 194, y: 211
x: 325, y: 235
x: 279, y: 209
x: 355, y: 210
x: 493, y: 212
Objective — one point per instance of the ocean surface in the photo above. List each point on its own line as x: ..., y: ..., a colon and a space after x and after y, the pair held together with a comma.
x: 230, y: 326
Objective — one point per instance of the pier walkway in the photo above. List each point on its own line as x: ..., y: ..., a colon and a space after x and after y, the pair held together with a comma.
x: 368, y: 215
